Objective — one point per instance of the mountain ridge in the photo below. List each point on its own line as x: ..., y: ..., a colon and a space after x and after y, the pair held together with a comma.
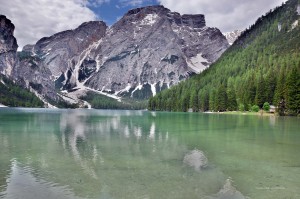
x: 148, y: 50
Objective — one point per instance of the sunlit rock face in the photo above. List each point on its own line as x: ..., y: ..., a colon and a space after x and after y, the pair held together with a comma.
x: 151, y: 49
x: 8, y: 46
x: 196, y: 159
x: 148, y: 50
x: 232, y: 36
x: 64, y: 52
x: 49, y: 65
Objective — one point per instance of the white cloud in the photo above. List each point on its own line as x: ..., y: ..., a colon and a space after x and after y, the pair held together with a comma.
x: 133, y: 3
x: 35, y: 19
x: 227, y: 15
x: 96, y: 3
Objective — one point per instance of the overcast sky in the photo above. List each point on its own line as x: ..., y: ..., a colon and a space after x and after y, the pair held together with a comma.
x: 35, y: 19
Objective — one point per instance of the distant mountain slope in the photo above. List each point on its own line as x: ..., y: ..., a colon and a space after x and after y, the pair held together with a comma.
x: 12, y: 94
x: 263, y: 65
x: 232, y: 36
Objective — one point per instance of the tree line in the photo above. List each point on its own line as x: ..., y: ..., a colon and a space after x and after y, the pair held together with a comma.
x: 13, y: 95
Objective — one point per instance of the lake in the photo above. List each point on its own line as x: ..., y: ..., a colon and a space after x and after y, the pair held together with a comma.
x: 145, y: 155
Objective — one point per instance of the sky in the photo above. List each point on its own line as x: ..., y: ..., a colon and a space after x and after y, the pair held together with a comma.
x: 35, y: 19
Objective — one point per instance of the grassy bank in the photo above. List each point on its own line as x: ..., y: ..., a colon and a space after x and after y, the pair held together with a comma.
x: 260, y: 113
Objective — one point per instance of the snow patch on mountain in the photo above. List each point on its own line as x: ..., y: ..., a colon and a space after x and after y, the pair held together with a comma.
x: 149, y: 19
x: 127, y: 89
x: 139, y: 87
x: 198, y: 63
x: 153, y: 89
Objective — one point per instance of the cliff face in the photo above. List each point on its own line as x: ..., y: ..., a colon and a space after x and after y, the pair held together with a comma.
x: 151, y: 49
x: 60, y: 51
x: 51, y: 58
x: 8, y: 46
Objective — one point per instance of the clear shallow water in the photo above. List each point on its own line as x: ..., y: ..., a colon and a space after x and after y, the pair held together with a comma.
x: 137, y: 154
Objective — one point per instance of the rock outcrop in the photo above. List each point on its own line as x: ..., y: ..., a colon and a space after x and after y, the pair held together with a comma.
x: 228, y: 192
x: 8, y: 46
x: 196, y: 159
x: 232, y: 36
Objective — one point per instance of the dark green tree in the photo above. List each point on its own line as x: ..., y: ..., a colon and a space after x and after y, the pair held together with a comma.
x: 293, y: 92
x: 280, y: 87
x: 266, y: 106
x: 221, y: 98
x: 231, y: 101
x: 260, y: 96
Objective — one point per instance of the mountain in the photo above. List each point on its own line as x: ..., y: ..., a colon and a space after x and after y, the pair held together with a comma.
x: 232, y: 36
x: 263, y: 65
x: 8, y: 46
x: 48, y: 65
x: 148, y: 50
x: 151, y: 49
x: 12, y: 94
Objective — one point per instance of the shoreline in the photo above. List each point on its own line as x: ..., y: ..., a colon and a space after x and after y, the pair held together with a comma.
x: 260, y: 113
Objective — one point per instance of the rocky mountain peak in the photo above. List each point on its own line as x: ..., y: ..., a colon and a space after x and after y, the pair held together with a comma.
x: 151, y: 49
x: 148, y: 10
x: 8, y: 46
x: 67, y: 45
x: 7, y: 40
x: 149, y: 15
x: 148, y: 50
x: 232, y: 36
x: 6, y: 24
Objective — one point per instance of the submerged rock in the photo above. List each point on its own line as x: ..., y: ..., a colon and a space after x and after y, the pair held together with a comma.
x: 196, y: 159
x: 228, y: 192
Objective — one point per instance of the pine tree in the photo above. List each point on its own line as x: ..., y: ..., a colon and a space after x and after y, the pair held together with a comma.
x: 221, y: 99
x: 194, y: 101
x: 280, y: 88
x: 260, y: 92
x: 293, y: 92
x: 270, y: 85
x: 231, y: 103
x: 212, y: 100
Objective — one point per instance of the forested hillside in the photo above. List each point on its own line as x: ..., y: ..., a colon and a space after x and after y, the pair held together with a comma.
x: 263, y: 65
x: 15, y: 96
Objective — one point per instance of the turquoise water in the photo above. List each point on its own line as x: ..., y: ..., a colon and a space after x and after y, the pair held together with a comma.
x: 139, y: 154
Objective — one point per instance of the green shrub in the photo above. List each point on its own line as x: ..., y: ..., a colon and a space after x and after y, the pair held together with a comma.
x: 241, y: 107
x: 266, y: 107
x: 255, y: 108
